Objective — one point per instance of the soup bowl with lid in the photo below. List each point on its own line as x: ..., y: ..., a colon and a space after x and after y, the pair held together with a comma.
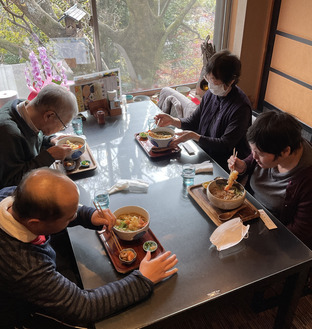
x: 161, y: 136
x: 225, y: 200
x: 132, y: 222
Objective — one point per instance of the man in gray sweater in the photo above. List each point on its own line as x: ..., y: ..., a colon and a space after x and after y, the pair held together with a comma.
x: 45, y: 203
x: 26, y: 128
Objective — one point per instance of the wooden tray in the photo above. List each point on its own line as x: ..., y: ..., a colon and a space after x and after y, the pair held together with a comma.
x: 137, y: 245
x: 198, y: 193
x: 87, y: 155
x: 153, y: 151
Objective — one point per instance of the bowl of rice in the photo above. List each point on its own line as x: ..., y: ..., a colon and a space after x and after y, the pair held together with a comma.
x: 132, y: 222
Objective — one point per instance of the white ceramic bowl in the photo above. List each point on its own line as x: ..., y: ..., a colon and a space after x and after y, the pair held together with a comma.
x: 161, y: 142
x: 222, y: 203
x: 74, y: 154
x: 132, y: 235
x: 183, y: 90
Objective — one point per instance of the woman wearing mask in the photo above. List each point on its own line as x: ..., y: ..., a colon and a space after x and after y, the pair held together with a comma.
x: 221, y: 120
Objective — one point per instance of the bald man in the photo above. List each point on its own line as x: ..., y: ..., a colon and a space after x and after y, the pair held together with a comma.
x: 26, y: 132
x: 44, y: 203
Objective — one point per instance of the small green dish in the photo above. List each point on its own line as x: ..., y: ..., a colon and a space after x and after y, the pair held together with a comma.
x: 150, y: 246
x: 85, y: 164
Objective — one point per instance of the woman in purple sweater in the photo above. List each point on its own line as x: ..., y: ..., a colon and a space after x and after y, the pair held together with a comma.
x: 221, y: 120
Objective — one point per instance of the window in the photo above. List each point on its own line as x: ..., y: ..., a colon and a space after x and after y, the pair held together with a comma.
x: 155, y: 43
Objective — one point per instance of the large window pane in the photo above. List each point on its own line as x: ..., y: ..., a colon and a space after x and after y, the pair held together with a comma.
x: 61, y: 27
x: 155, y: 43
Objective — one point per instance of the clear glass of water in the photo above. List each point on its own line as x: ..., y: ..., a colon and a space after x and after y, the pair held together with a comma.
x: 101, y: 198
x: 188, y: 174
x: 77, y: 126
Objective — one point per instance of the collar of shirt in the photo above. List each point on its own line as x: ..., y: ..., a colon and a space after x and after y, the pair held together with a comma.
x: 22, y: 111
x: 11, y: 226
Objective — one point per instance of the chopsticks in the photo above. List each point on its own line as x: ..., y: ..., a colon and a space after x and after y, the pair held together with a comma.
x: 115, y: 239
x: 234, y: 155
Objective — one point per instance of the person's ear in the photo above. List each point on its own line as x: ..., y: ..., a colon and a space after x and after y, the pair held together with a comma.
x: 48, y: 115
x: 33, y: 224
x: 286, y: 152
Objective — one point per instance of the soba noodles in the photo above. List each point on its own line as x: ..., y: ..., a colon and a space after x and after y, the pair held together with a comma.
x: 231, y: 194
x: 160, y: 134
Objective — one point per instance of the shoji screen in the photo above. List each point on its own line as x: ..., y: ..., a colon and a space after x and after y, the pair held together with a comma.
x: 289, y: 84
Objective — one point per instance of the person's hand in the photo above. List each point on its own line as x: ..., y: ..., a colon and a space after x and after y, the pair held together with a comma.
x: 108, y: 220
x: 59, y: 152
x: 234, y: 163
x: 184, y: 136
x: 55, y: 139
x: 163, y: 120
x: 160, y: 267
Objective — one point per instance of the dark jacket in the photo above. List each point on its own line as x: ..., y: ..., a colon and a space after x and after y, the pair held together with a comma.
x: 29, y: 281
x: 296, y: 212
x: 222, y: 123
x: 21, y: 148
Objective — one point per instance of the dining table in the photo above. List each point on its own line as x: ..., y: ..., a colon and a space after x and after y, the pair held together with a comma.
x: 180, y: 224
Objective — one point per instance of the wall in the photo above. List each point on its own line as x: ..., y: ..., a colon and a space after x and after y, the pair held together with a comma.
x: 249, y: 29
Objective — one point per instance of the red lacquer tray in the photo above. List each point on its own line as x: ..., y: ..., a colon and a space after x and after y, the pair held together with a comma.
x: 152, y: 151
x: 137, y: 245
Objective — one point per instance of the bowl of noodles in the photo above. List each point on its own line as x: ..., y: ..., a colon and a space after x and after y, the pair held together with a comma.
x: 77, y: 145
x: 132, y: 222
x: 161, y: 136
x: 225, y: 200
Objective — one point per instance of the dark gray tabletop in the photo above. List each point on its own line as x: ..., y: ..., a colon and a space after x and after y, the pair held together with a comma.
x: 177, y: 221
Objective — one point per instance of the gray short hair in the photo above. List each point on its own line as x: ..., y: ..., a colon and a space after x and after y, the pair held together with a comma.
x: 55, y: 98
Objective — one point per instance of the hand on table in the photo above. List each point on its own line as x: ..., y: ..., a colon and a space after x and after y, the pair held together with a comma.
x: 160, y: 267
x: 184, y: 136
x: 108, y: 220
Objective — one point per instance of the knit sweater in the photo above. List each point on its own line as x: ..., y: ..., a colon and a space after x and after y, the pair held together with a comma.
x: 222, y: 123
x: 30, y: 282
x: 21, y: 148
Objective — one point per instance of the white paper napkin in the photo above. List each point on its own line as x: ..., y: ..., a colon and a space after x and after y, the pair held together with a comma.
x: 132, y: 185
x: 205, y: 166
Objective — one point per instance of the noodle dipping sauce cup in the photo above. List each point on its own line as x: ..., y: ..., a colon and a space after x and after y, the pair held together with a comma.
x: 128, y: 235
x: 158, y: 141
x: 75, y: 154
x: 222, y: 203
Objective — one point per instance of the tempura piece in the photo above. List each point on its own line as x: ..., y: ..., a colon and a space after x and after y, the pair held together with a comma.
x: 233, y: 176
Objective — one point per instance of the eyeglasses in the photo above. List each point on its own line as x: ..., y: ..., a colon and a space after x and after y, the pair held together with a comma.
x: 65, y: 126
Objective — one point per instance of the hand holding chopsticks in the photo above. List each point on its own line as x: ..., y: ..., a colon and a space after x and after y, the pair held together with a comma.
x: 103, y: 217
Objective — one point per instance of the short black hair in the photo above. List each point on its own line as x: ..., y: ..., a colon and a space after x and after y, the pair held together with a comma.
x: 273, y: 131
x: 224, y: 66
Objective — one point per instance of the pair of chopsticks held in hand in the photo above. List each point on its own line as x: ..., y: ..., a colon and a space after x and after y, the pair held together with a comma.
x: 233, y: 175
x: 235, y: 156
x: 115, y: 239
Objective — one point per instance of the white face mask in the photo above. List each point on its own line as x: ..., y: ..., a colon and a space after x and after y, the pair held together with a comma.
x: 218, y: 90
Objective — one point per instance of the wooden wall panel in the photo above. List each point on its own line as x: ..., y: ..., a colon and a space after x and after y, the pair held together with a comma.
x: 290, y: 97
x: 293, y: 58
x: 296, y: 18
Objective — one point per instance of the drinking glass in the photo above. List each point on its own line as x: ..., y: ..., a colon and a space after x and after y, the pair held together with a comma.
x: 77, y: 126
x: 101, y: 197
x: 188, y: 174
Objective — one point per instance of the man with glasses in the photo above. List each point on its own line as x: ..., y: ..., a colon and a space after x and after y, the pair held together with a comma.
x: 26, y: 132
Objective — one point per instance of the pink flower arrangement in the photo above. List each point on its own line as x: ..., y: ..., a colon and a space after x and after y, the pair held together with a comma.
x: 41, y: 74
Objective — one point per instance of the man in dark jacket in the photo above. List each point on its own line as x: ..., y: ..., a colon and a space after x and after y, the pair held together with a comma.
x: 26, y: 128
x: 44, y: 203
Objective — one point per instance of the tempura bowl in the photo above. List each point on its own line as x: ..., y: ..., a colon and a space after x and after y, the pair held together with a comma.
x: 131, y: 235
x: 218, y: 185
x: 161, y: 142
x: 74, y: 154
